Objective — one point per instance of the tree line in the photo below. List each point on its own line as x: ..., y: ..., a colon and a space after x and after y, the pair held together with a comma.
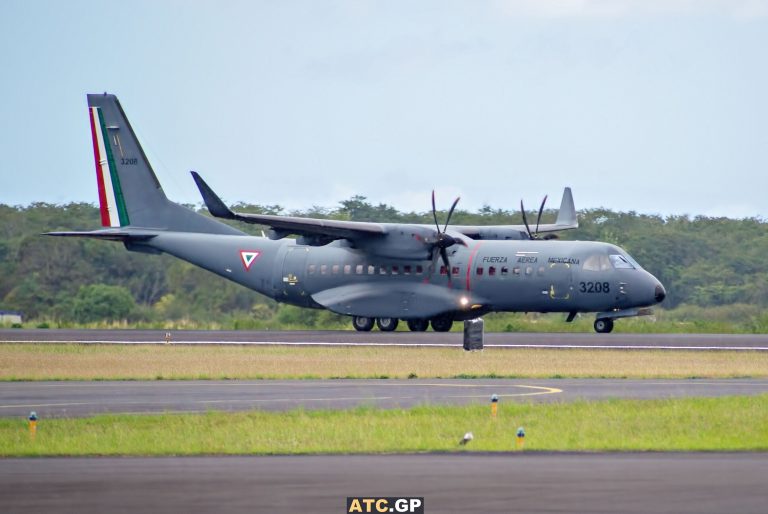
x: 704, y: 262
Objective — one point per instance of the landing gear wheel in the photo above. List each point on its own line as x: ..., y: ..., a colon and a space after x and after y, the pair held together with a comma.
x: 417, y: 325
x: 386, y: 324
x: 362, y: 324
x: 442, y: 324
x: 603, y: 326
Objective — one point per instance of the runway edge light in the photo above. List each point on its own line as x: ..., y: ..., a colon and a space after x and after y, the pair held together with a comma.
x: 32, y: 424
x: 520, y: 437
x: 494, y: 405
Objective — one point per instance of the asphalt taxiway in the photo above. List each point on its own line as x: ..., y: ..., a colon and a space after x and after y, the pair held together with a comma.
x: 450, y: 483
x: 746, y: 342
x: 69, y: 399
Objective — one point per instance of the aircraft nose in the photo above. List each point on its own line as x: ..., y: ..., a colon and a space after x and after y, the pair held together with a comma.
x: 659, y: 293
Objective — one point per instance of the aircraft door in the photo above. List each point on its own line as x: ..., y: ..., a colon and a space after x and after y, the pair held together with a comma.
x: 293, y: 274
x: 560, y: 279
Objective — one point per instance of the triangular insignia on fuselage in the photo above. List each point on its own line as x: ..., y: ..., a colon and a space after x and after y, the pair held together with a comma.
x: 249, y: 257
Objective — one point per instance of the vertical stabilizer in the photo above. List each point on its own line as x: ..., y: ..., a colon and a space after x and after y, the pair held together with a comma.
x: 129, y: 192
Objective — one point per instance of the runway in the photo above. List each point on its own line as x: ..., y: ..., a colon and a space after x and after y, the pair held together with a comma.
x: 450, y: 483
x: 743, y: 342
x: 71, y: 399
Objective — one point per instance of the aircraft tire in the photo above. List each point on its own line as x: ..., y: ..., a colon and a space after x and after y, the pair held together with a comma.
x: 386, y: 324
x: 362, y: 323
x: 442, y: 324
x: 418, y: 325
x: 603, y: 326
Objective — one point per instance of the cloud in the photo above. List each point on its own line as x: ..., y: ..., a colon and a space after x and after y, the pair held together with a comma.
x: 739, y: 9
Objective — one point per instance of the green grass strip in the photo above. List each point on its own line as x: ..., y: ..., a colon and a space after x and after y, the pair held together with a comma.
x: 689, y: 424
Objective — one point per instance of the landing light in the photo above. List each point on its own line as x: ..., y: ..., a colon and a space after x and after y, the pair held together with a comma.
x: 464, y: 301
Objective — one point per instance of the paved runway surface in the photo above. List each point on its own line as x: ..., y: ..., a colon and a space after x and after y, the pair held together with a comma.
x: 459, y: 483
x: 59, y: 399
x: 453, y: 339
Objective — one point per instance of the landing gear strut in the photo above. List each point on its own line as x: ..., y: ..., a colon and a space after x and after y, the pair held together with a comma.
x: 362, y: 324
x: 603, y: 325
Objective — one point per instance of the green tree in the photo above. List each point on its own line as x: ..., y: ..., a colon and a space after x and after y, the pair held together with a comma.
x: 100, y: 302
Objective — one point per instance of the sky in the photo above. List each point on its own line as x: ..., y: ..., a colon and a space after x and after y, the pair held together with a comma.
x: 653, y: 106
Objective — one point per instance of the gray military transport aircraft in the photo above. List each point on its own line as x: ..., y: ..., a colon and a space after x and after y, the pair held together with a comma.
x: 378, y: 273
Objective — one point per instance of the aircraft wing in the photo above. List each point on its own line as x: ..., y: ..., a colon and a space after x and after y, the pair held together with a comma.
x: 325, y: 230
x: 566, y: 220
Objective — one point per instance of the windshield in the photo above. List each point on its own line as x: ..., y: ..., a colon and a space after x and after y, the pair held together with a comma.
x: 620, y: 262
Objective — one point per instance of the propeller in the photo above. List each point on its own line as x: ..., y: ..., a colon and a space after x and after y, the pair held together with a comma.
x: 533, y: 235
x: 444, y: 241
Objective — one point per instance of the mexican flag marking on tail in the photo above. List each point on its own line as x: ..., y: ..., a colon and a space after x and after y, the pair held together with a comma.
x: 111, y: 202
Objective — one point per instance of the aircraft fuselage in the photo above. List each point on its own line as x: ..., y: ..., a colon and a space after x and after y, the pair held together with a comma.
x: 485, y: 276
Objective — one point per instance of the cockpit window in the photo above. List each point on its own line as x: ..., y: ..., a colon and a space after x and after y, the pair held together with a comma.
x: 620, y: 262
x: 597, y: 263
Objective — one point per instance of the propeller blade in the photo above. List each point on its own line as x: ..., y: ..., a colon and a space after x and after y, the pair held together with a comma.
x: 525, y: 220
x: 434, y: 213
x: 446, y: 262
x: 541, y: 210
x: 450, y: 213
x: 435, y: 256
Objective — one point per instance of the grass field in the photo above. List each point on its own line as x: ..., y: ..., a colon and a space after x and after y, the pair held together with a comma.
x: 691, y: 424
x: 101, y: 362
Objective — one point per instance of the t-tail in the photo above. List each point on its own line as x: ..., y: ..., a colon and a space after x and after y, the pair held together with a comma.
x: 131, y: 200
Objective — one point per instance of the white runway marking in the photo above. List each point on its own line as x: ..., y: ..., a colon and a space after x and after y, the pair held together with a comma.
x: 409, y: 345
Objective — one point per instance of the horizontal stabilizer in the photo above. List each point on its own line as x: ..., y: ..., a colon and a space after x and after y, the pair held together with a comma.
x: 109, y: 234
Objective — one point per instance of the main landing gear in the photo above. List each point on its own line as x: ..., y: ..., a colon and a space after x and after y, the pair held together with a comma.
x: 603, y: 325
x: 365, y: 324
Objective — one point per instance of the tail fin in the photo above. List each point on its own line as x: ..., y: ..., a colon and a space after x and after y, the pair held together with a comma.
x: 129, y: 192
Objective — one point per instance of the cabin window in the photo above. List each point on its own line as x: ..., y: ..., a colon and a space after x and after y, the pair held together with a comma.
x: 620, y: 262
x: 455, y: 271
x: 395, y: 270
x: 541, y: 270
x: 419, y: 270
x: 359, y: 269
x: 323, y: 269
x: 371, y: 270
x: 491, y: 271
x: 515, y: 271
x: 335, y: 269
x: 504, y: 271
x: 528, y: 270
x: 479, y: 271
x: 312, y: 268
x: 443, y: 270
x: 597, y: 263
x: 407, y: 270
x: 347, y: 269
x: 382, y: 270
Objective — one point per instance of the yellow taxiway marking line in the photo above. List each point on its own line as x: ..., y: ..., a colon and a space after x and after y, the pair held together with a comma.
x: 540, y: 390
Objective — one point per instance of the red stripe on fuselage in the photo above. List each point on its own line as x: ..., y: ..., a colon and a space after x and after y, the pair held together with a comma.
x: 469, y: 264
x: 99, y: 177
